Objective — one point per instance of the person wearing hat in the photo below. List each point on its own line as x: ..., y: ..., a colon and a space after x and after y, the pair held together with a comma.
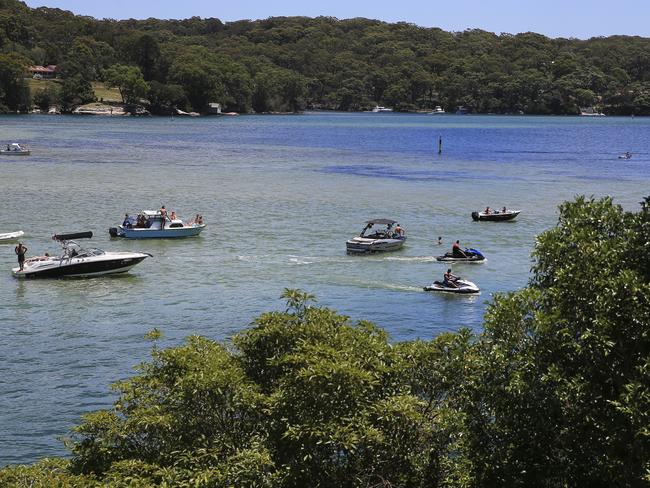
x: 20, y: 251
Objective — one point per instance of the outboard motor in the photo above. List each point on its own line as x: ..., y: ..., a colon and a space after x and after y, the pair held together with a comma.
x: 475, y: 216
x: 112, y: 231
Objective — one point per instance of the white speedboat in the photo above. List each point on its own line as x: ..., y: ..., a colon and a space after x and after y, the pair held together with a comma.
x: 11, y: 236
x: 437, y: 111
x: 379, y: 108
x: 153, y: 225
x: 15, y: 149
x: 373, y: 239
x: 75, y: 261
x: 495, y: 215
x: 464, y: 287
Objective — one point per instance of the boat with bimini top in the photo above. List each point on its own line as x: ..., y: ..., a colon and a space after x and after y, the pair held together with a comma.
x: 15, y: 149
x: 76, y: 261
x: 154, y: 224
x: 372, y: 239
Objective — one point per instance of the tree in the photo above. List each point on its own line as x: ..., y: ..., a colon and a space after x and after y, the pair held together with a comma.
x: 129, y: 81
x: 14, y: 92
x: 75, y: 91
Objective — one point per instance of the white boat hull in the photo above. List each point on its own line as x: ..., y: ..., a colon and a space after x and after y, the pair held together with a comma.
x: 167, y: 233
x: 11, y: 236
x: 363, y: 245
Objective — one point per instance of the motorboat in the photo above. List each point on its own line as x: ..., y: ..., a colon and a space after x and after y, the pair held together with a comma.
x: 15, y: 149
x: 464, y: 287
x: 150, y: 224
x: 379, y: 108
x: 626, y: 155
x: 437, y: 111
x: 590, y: 112
x: 76, y: 261
x: 471, y: 256
x: 495, y: 215
x: 377, y: 239
x: 11, y: 236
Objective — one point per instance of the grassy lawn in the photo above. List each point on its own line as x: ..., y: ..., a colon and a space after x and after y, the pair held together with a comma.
x: 101, y: 91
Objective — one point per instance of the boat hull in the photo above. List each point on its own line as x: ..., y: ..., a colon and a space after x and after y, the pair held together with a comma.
x: 494, y: 217
x: 15, y: 153
x: 11, y: 236
x: 360, y: 245
x: 464, y: 288
x: 59, y: 268
x: 168, y: 233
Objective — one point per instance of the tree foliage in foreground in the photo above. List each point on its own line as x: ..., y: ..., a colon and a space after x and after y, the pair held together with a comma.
x: 554, y: 393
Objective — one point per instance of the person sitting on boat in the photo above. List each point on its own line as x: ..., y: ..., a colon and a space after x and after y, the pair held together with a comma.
x: 449, y: 279
x: 456, y: 250
x: 173, y: 215
x: 127, y: 221
x: 141, y: 221
x: 504, y: 210
x: 199, y: 220
x: 487, y: 211
x: 399, y: 232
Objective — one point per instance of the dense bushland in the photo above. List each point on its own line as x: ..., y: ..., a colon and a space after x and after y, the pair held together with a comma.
x: 292, y: 63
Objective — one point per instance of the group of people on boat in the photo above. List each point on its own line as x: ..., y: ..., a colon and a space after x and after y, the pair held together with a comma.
x: 489, y: 211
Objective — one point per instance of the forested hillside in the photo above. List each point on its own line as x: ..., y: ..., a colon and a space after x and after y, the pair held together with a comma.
x: 292, y: 63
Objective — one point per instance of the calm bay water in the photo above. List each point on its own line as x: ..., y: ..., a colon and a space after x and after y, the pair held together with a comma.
x: 280, y: 194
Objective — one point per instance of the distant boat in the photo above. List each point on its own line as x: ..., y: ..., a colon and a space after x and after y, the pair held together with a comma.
x: 495, y: 216
x: 590, y: 112
x: 15, y: 149
x: 626, y: 155
x: 371, y: 240
x: 379, y: 108
x: 437, y: 111
x: 155, y: 225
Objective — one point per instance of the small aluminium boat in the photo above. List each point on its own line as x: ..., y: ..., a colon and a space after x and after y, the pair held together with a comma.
x: 371, y: 239
x: 471, y: 256
x: 11, y: 236
x: 495, y: 216
x: 15, y: 149
x: 153, y: 225
x: 464, y: 287
x: 75, y: 261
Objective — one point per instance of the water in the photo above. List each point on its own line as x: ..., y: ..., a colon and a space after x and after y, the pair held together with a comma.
x: 280, y: 194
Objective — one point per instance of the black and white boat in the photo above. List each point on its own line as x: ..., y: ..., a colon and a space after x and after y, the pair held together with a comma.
x: 76, y: 261
x: 471, y: 256
x: 377, y: 239
x: 463, y: 287
x: 495, y: 216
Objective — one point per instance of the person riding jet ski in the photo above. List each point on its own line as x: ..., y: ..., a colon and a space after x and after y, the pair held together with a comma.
x: 457, y: 251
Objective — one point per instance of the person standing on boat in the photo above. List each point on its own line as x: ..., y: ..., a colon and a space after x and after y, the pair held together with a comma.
x: 127, y: 222
x: 20, y: 251
x: 163, y: 214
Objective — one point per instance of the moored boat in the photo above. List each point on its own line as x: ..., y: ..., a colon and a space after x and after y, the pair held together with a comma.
x: 371, y: 239
x: 76, y: 261
x: 15, y: 149
x: 152, y: 224
x: 437, y: 111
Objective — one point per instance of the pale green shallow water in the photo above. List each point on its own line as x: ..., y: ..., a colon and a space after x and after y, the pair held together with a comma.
x: 280, y: 196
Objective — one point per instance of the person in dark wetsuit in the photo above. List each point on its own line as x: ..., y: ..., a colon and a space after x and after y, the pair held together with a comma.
x: 20, y: 251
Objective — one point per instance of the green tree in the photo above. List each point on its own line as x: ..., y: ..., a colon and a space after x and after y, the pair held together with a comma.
x: 129, y: 81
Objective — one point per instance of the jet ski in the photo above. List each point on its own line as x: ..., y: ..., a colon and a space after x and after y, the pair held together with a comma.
x: 472, y: 256
x: 464, y: 287
x: 626, y: 155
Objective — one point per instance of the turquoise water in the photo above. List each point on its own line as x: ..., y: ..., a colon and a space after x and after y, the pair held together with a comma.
x: 280, y: 194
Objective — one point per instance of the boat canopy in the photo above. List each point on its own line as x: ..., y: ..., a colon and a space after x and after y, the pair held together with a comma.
x: 75, y: 235
x: 382, y: 221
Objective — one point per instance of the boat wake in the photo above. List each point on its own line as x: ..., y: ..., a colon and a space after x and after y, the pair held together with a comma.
x: 411, y: 259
